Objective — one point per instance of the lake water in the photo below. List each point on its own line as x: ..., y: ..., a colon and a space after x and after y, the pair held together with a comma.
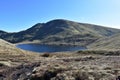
x: 48, y: 48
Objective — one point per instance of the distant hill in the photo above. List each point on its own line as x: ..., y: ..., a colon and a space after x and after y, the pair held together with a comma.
x: 112, y: 42
x: 61, y: 31
x: 2, y: 33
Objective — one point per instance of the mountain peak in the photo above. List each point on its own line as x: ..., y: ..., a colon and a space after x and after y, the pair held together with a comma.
x: 58, y: 21
x: 60, y: 30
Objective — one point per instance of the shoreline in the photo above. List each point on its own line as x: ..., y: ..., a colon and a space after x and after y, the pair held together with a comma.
x: 56, y: 44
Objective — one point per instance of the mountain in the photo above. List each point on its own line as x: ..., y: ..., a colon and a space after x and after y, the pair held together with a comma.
x: 61, y: 31
x: 2, y: 33
x: 22, y: 35
x: 112, y: 42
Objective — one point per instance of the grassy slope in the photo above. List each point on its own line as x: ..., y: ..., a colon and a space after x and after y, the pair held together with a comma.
x: 6, y: 47
x: 10, y: 54
x: 112, y: 42
x: 62, y: 65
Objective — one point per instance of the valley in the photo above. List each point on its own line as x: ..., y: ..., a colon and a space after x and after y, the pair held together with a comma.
x: 100, y: 61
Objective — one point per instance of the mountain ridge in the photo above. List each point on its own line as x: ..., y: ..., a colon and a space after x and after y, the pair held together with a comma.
x: 60, y: 31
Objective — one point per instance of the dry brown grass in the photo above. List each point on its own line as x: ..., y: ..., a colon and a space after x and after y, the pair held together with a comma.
x: 81, y: 65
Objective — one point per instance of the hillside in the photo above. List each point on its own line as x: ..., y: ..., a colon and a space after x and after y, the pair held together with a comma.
x: 6, y: 47
x: 16, y: 64
x: 81, y: 65
x: 112, y: 42
x: 10, y: 55
x: 61, y: 31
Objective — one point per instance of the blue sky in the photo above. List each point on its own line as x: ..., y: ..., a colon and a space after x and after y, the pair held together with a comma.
x: 16, y: 15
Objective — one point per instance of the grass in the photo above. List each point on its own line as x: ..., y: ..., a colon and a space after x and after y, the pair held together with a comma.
x: 79, y: 65
x: 5, y: 63
x: 100, y: 52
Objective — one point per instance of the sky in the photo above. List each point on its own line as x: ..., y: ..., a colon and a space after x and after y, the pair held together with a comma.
x: 17, y: 15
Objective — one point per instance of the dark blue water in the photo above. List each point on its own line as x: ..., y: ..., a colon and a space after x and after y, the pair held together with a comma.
x: 48, y: 48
